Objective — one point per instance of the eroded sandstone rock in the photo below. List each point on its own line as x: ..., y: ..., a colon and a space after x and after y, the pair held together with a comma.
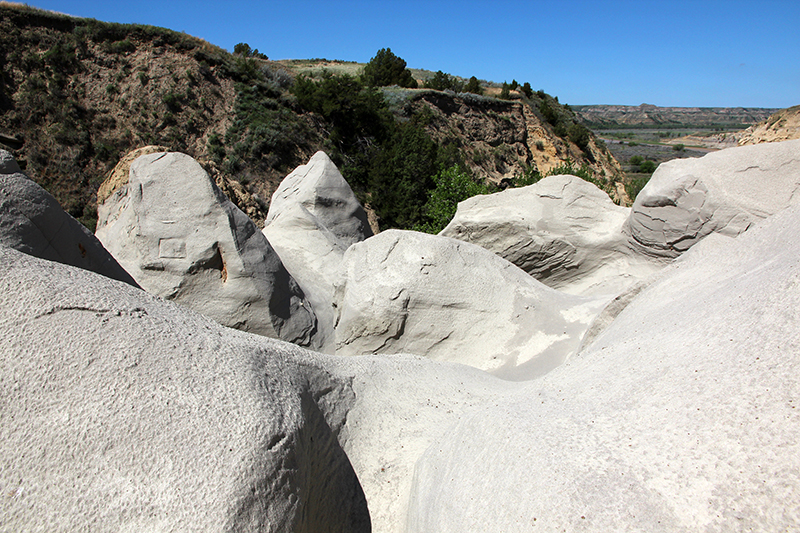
x: 682, y: 413
x: 313, y: 218
x: 563, y: 231
x: 32, y: 222
x: 409, y: 292
x: 724, y: 192
x: 320, y: 188
x: 181, y: 239
x: 122, y: 412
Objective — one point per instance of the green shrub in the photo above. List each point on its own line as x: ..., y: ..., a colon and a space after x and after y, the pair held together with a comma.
x: 678, y: 147
x: 648, y: 166
x: 579, y: 134
x: 442, y: 82
x: 584, y: 172
x: 172, y: 101
x: 529, y: 176
x: 633, y: 187
x: 526, y: 90
x: 244, y: 50
x: 401, y: 174
x: 548, y: 113
x: 452, y: 185
x: 505, y: 92
x: 388, y: 69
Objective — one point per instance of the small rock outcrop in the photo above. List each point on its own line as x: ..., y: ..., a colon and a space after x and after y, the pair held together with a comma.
x: 181, y: 239
x: 724, y: 192
x: 121, y: 412
x: 563, y: 231
x: 32, y: 222
x: 313, y: 218
x: 409, y: 292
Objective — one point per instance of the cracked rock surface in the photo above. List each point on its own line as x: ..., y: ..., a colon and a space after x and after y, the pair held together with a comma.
x: 181, y: 239
x: 722, y: 192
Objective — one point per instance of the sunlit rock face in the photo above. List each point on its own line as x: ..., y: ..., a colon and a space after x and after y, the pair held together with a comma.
x: 723, y: 192
x: 562, y: 230
x: 313, y: 218
x: 409, y: 292
x: 181, y: 239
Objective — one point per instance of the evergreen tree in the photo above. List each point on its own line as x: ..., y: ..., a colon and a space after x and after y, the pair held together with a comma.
x: 388, y: 69
x: 473, y: 86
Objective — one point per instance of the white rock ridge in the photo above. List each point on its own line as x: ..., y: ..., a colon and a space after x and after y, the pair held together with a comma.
x: 122, y: 412
x: 562, y: 230
x: 181, y: 239
x: 313, y: 218
x: 409, y: 292
x: 724, y: 192
x: 32, y: 222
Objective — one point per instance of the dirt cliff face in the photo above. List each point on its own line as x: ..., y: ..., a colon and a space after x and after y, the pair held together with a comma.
x: 76, y: 95
x: 782, y: 126
x: 502, y: 138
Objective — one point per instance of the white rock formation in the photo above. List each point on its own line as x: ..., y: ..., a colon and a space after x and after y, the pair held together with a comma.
x: 724, y: 192
x: 320, y: 188
x: 181, y: 239
x: 31, y: 221
x: 563, y: 231
x: 313, y: 218
x: 681, y: 416
x: 409, y: 292
x: 121, y: 412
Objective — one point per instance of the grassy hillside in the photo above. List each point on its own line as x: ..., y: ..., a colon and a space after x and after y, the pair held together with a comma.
x: 78, y: 94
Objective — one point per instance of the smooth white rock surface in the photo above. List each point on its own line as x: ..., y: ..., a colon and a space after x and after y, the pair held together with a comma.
x: 181, y: 239
x: 724, y: 192
x: 313, y: 218
x: 122, y: 412
x: 32, y: 222
x: 681, y: 416
x: 409, y: 292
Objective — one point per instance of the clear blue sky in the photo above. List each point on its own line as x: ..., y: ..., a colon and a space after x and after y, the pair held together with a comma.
x: 668, y: 53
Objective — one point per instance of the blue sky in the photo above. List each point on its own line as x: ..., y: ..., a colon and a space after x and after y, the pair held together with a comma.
x: 666, y: 52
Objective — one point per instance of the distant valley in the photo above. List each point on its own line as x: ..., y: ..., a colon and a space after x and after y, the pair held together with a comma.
x: 648, y: 116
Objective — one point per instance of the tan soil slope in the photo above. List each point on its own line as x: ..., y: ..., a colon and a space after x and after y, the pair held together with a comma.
x: 782, y: 126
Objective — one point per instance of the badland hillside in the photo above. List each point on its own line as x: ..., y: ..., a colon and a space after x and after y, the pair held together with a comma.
x: 648, y: 116
x: 76, y: 95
